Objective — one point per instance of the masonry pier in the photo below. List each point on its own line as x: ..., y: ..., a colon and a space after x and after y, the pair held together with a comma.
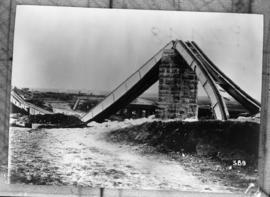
x: 177, y: 87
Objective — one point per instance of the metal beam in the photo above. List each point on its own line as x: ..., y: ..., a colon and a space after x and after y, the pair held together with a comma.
x: 127, y: 91
x: 227, y: 84
x: 193, y: 60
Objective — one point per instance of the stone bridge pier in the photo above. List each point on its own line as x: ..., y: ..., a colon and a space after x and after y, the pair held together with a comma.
x: 177, y: 88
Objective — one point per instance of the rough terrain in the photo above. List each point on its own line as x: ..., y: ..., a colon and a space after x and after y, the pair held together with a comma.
x: 82, y: 156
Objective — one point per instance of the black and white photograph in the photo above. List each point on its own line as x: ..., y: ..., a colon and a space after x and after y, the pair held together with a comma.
x: 135, y: 99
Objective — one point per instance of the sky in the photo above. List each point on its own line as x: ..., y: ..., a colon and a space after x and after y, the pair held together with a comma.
x: 97, y: 49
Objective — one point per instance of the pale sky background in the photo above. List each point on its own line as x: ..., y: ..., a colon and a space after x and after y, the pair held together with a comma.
x: 96, y: 49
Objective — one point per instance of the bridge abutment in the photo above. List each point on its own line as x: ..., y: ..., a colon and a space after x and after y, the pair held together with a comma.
x: 177, y: 88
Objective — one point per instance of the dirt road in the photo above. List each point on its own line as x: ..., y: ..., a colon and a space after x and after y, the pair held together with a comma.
x: 83, y: 157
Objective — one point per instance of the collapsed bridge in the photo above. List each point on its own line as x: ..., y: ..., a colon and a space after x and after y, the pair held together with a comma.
x: 19, y: 102
x: 178, y: 66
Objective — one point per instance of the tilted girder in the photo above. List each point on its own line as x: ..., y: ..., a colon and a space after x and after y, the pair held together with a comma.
x: 193, y: 61
x: 128, y: 90
x: 252, y: 105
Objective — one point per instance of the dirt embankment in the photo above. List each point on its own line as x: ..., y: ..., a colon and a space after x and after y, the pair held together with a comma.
x: 203, y: 137
x: 220, y: 150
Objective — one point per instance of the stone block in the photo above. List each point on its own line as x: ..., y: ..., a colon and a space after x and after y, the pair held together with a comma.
x: 177, y: 88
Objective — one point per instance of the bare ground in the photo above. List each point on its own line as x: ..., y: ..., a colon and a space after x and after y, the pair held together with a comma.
x: 83, y: 157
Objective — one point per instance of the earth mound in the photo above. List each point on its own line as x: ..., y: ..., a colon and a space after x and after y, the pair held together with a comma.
x: 227, y: 140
